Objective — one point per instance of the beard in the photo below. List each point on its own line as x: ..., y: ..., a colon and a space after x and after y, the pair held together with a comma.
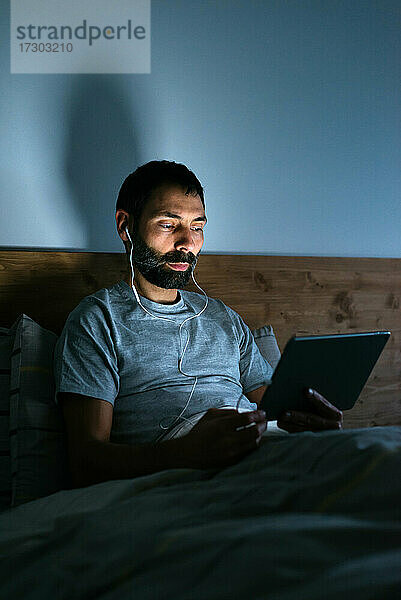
x: 152, y: 264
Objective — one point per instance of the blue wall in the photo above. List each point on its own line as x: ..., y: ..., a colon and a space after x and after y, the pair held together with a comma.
x: 288, y: 111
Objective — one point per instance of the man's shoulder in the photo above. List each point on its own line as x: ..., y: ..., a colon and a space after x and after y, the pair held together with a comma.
x: 103, y: 301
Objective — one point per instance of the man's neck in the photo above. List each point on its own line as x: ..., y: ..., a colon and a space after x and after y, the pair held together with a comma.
x: 152, y: 292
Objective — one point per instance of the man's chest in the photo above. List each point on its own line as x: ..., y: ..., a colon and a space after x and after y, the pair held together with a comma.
x: 150, y: 355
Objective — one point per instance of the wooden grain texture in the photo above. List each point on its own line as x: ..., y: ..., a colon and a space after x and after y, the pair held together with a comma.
x: 297, y: 295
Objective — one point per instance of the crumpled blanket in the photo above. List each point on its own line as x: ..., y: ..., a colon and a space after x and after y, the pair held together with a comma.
x: 305, y: 516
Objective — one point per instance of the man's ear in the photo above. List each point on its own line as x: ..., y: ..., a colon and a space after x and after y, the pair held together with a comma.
x: 122, y: 221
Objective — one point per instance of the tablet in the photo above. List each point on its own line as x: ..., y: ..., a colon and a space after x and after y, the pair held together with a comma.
x: 337, y: 366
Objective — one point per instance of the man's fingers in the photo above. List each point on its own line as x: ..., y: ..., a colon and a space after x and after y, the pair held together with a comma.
x: 248, y: 438
x: 322, y: 405
x: 231, y: 419
x: 302, y: 421
x: 247, y: 419
x: 253, y: 430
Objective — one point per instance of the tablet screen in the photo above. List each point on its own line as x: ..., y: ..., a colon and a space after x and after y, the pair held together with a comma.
x: 337, y: 366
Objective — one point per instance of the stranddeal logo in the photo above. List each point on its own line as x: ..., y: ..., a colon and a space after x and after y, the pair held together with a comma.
x: 49, y: 36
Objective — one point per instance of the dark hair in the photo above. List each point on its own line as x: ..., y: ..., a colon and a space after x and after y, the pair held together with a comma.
x: 138, y: 187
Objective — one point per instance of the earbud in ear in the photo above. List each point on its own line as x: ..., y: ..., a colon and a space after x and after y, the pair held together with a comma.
x: 128, y: 235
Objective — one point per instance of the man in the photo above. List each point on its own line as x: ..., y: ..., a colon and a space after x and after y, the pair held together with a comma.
x: 129, y: 369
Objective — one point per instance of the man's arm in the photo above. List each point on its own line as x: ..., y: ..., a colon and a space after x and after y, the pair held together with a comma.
x: 92, y: 457
x: 256, y: 395
x: 219, y: 439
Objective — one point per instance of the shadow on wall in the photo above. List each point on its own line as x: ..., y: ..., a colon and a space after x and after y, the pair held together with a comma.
x: 101, y: 150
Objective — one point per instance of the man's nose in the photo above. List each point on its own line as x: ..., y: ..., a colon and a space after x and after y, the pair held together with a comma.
x: 185, y: 240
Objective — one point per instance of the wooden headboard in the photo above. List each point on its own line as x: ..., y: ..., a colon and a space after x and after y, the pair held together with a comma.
x: 297, y: 295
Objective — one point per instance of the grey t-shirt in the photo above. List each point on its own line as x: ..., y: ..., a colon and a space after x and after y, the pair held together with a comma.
x: 111, y: 349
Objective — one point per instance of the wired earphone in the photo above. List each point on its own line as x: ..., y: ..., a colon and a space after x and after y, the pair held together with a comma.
x: 180, y: 369
x: 175, y: 418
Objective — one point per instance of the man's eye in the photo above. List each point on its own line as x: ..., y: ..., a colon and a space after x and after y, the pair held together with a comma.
x: 197, y: 228
x: 166, y: 225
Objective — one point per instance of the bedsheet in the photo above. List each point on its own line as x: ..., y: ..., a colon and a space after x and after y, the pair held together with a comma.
x: 307, y: 515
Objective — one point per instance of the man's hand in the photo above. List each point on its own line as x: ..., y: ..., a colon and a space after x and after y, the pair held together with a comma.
x: 222, y: 437
x: 324, y: 416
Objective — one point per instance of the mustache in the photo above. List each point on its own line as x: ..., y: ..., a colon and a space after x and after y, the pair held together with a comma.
x: 180, y: 257
x: 146, y: 257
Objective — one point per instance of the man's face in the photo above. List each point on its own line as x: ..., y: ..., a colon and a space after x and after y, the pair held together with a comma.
x: 169, y: 237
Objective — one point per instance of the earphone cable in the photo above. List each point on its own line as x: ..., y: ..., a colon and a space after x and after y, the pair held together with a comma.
x: 180, y: 360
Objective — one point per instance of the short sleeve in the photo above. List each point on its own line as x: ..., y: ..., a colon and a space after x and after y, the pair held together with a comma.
x: 85, y: 361
x: 255, y: 371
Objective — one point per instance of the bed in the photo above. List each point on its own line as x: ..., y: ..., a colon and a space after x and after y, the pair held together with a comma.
x: 306, y: 516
